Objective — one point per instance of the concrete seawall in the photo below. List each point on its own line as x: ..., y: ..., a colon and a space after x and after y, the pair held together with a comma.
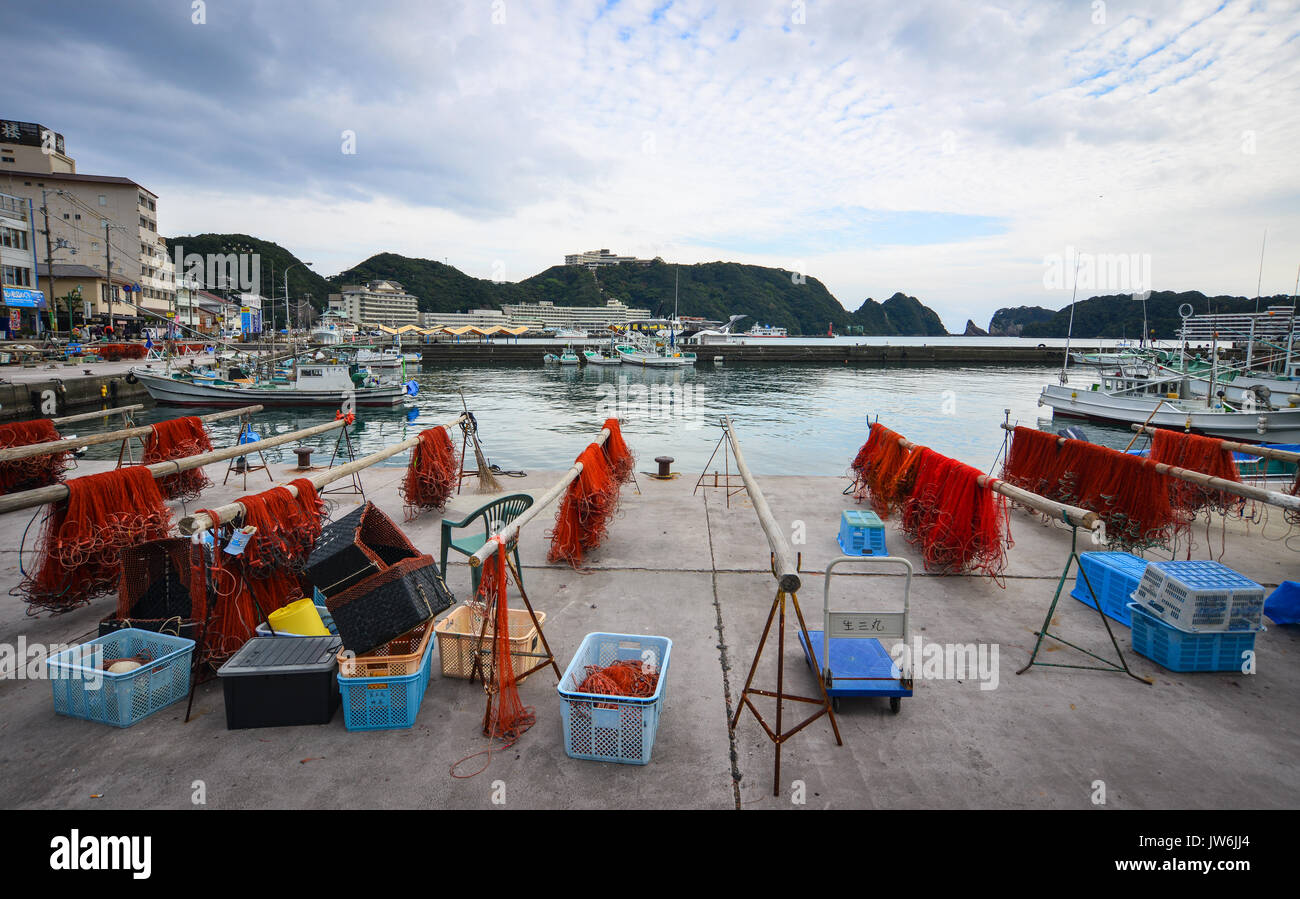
x: 778, y: 351
x: 65, y: 391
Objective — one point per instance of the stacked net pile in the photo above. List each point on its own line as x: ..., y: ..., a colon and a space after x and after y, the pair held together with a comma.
x: 35, y: 471
x: 78, y: 554
x: 617, y: 453
x: 176, y: 439
x: 431, y: 474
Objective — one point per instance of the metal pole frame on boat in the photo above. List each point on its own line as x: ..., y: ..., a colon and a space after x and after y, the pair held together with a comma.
x: 785, y: 568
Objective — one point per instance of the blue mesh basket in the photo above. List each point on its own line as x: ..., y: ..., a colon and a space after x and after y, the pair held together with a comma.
x: 385, y: 703
x: 82, y: 689
x: 612, y: 728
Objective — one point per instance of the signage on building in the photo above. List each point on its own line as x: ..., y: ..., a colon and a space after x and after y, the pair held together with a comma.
x: 24, y: 296
x: 30, y: 134
x: 15, y: 319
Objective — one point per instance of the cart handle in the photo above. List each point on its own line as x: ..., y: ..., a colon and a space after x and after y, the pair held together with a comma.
x: 826, y: 597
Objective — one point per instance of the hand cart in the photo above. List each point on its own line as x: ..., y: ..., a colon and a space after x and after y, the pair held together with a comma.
x: 859, y: 662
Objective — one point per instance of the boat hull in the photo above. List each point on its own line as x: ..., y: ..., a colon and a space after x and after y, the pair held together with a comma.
x: 171, y: 392
x: 1277, y: 426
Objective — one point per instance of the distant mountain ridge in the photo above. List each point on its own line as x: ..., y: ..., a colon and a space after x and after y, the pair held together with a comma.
x: 715, y: 290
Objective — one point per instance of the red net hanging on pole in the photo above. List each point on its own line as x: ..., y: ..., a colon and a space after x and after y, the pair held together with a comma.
x: 877, y: 471
x: 585, y: 510
x: 35, y: 471
x: 83, y: 535
x: 431, y: 474
x: 176, y: 439
x: 617, y: 453
x: 1125, y: 490
x: 958, y: 524
x: 1197, y: 453
x: 507, y: 717
x: 287, y: 527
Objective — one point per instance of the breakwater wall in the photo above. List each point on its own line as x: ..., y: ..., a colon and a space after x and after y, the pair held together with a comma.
x: 52, y: 394
x: 447, y: 354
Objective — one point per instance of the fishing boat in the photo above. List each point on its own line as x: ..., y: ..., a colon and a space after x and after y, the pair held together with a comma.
x: 568, y: 356
x: 603, y: 356
x: 307, y: 384
x: 638, y: 349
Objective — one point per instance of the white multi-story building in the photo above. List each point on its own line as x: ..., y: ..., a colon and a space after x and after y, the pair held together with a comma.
x: 376, y: 303
x: 594, y: 258
x: 101, y: 221
x: 546, y: 315
x: 482, y: 318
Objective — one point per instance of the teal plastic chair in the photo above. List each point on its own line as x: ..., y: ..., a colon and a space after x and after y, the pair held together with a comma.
x: 495, y: 515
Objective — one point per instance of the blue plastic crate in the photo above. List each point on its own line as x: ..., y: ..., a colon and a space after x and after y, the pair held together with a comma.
x: 1179, y: 650
x: 862, y: 533
x: 1114, y: 576
x: 83, y: 690
x: 612, y: 728
x: 385, y: 703
x: 1201, y: 596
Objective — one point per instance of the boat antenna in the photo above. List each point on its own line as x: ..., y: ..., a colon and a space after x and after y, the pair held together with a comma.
x: 1070, y: 333
x: 1259, y: 283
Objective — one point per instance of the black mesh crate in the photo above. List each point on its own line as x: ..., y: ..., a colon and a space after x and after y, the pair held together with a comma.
x: 389, y: 603
x: 362, y: 543
x: 156, y: 581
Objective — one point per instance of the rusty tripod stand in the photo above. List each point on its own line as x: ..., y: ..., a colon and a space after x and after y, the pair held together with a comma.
x: 779, y: 736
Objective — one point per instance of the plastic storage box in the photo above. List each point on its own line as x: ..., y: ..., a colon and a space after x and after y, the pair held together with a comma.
x: 457, y: 638
x: 1114, y: 576
x: 276, y: 682
x: 1200, y: 597
x: 386, y: 703
x: 1179, y: 650
x: 862, y: 533
x: 83, y: 689
x: 612, y: 728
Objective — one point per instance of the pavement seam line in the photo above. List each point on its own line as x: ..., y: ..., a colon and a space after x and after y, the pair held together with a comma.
x: 722, y: 659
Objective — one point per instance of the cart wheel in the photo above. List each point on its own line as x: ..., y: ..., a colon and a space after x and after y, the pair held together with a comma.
x: 895, y: 703
x: 835, y: 703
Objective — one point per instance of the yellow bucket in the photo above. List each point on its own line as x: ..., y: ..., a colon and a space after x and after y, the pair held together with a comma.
x: 300, y: 618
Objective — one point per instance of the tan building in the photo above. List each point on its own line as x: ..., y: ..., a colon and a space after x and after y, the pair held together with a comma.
x: 595, y: 258
x: 482, y: 318
x: 546, y: 315
x: 79, y: 209
x: 376, y: 303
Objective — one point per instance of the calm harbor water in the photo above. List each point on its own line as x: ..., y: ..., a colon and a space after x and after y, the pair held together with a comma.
x: 791, y: 419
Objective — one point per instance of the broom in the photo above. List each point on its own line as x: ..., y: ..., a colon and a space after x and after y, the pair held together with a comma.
x: 487, y: 482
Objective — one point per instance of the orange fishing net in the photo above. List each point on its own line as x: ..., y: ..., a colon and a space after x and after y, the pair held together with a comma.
x: 84, y: 534
x: 431, y: 474
x: 1197, y: 453
x: 176, y: 439
x: 114, y: 352
x: 1127, y: 491
x: 958, y: 524
x: 287, y: 527
x: 507, y: 717
x: 35, y: 471
x: 585, y: 510
x: 878, y: 470
x: 628, y: 677
x: 617, y: 452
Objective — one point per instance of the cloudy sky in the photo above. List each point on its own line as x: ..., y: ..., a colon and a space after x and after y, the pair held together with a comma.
x: 945, y: 149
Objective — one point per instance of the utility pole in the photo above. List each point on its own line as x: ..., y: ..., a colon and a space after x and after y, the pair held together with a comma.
x: 108, y: 271
x: 49, y: 260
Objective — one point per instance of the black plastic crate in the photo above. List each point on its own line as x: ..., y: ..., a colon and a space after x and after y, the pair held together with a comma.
x: 273, y: 682
x: 362, y: 543
x: 388, y: 604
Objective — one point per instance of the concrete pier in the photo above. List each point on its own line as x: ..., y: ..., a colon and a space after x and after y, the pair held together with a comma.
x: 694, y: 569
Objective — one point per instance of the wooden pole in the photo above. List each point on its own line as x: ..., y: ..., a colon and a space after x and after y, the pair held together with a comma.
x: 55, y: 492
x: 1263, y: 451
x: 86, y: 416
x: 202, y: 521
x: 75, y: 443
x: 511, y: 530
x: 1236, y: 488
x: 785, y: 567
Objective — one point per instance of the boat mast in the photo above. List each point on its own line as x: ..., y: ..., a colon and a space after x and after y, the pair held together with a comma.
x: 1070, y: 333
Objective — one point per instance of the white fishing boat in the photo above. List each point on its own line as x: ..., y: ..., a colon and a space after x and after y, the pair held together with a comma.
x: 568, y: 356
x: 309, y: 384
x: 1169, y: 403
x: 603, y: 356
x: 638, y: 349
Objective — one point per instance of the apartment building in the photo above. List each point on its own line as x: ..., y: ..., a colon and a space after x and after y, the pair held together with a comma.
x: 22, y: 297
x: 100, y: 221
x: 546, y: 315
x: 595, y: 258
x: 376, y: 303
x: 482, y: 318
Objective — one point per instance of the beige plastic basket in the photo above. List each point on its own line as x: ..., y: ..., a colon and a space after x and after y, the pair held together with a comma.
x: 396, y: 658
x: 457, y: 637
